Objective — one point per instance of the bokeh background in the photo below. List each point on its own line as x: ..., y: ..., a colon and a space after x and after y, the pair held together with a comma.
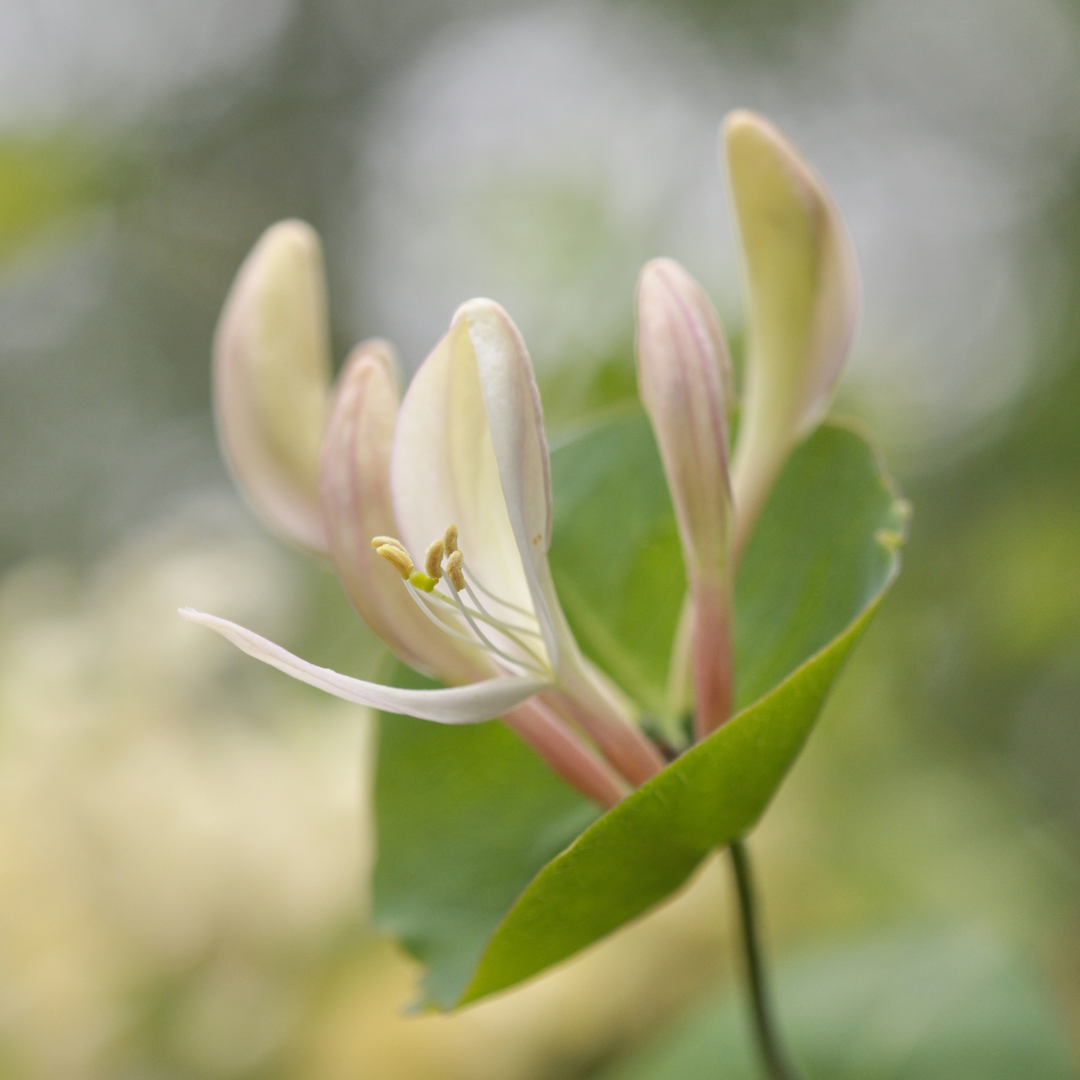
x: 185, y: 835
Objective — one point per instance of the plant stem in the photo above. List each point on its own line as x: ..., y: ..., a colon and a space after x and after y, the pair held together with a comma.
x: 772, y: 1054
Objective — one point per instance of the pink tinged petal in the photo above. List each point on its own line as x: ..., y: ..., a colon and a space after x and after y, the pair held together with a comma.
x: 272, y: 377
x: 470, y: 704
x: 802, y: 281
x: 684, y: 381
x: 584, y: 698
x: 564, y: 753
x: 682, y: 366
x: 712, y: 657
x: 357, y: 505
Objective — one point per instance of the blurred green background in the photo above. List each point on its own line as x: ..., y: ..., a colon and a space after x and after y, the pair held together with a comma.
x: 184, y: 837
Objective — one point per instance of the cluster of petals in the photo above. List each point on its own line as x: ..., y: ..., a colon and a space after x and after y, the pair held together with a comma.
x: 435, y: 508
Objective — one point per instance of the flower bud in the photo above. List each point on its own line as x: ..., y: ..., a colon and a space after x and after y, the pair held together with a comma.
x: 802, y: 282
x: 272, y: 377
x: 685, y: 385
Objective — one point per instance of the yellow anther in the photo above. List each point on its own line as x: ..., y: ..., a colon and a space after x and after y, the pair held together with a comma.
x: 433, y: 560
x: 454, y: 571
x: 450, y: 539
x: 422, y: 581
x: 399, y: 557
x: 381, y: 541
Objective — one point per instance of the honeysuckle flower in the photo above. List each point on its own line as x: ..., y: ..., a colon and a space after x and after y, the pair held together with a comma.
x: 802, y: 289
x: 684, y: 378
x: 803, y: 297
x: 437, y: 517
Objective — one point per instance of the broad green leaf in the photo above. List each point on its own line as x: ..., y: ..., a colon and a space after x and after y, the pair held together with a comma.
x: 927, y: 1006
x: 827, y: 551
x: 825, y: 547
x: 616, y: 557
x: 466, y: 817
x: 644, y: 849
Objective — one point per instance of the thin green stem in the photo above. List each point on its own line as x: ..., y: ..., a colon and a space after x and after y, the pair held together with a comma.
x: 772, y: 1054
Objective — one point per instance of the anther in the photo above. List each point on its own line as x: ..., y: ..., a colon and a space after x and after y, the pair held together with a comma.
x: 450, y: 539
x: 398, y: 556
x: 454, y: 569
x: 433, y: 560
x: 381, y: 541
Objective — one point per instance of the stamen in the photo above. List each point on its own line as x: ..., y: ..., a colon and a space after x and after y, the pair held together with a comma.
x: 378, y: 541
x: 454, y: 571
x: 399, y: 557
x: 491, y: 596
x: 421, y: 585
x: 433, y: 560
x: 509, y: 629
x: 487, y: 642
x: 483, y: 643
x: 499, y: 624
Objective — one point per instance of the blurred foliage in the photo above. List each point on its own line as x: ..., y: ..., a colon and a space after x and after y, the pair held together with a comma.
x: 43, y: 182
x: 921, y: 1006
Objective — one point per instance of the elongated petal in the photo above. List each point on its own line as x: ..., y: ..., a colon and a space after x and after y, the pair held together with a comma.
x: 682, y: 361
x: 470, y: 704
x: 803, y: 289
x: 516, y: 420
x: 272, y: 377
x: 682, y: 358
x: 444, y: 469
x: 470, y: 448
x: 354, y: 478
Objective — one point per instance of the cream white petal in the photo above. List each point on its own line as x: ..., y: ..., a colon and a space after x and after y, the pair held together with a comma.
x: 470, y: 449
x: 516, y: 421
x: 802, y: 282
x: 444, y: 469
x: 354, y: 478
x: 470, y: 704
x: 272, y: 377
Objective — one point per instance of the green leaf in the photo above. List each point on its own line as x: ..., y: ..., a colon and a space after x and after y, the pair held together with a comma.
x: 466, y: 817
x: 644, y: 849
x: 822, y: 557
x: 615, y: 557
x: 824, y: 549
x: 926, y: 1006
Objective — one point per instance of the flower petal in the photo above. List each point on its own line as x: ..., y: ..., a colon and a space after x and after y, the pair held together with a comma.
x: 470, y: 704
x: 354, y: 479
x: 516, y: 421
x: 682, y: 360
x: 682, y: 366
x: 272, y: 377
x: 444, y: 469
x: 470, y: 448
x: 803, y: 289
